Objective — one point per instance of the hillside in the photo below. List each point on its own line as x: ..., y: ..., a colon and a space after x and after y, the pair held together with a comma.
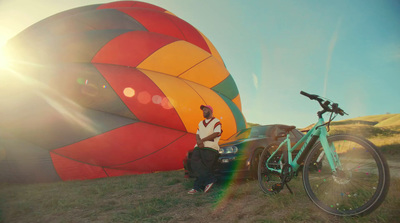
x: 376, y: 125
x: 372, y: 120
x: 382, y: 130
x: 394, y: 120
x: 375, y: 120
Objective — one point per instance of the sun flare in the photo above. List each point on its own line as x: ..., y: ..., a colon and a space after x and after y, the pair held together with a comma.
x: 3, y: 59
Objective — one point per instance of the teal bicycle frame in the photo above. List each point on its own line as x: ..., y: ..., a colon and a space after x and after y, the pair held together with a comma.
x: 317, y: 132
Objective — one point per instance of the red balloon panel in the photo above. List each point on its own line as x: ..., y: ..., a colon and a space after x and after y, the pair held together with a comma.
x: 192, y: 34
x: 122, y: 145
x: 154, y: 21
x: 130, y: 49
x: 122, y: 4
x: 145, y: 99
x: 169, y: 158
x: 68, y: 169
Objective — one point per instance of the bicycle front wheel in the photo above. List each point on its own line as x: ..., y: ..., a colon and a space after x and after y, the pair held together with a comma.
x: 358, y: 186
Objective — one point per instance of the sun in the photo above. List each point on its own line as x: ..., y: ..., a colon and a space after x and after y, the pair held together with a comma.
x: 3, y: 59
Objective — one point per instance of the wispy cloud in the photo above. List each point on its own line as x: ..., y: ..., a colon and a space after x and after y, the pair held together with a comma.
x: 331, y: 48
x: 255, y: 80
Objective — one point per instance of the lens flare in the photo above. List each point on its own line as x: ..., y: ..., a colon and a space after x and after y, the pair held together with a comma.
x: 166, y: 104
x: 229, y: 188
x: 157, y: 99
x: 129, y: 92
x: 4, y: 61
x: 144, y: 97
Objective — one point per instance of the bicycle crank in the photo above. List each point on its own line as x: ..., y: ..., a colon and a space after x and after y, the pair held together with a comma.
x: 287, y: 173
x: 286, y: 176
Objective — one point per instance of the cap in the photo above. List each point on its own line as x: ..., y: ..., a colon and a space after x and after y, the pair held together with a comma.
x: 207, y: 106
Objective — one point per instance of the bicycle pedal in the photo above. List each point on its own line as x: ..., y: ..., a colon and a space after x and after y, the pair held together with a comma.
x: 277, y: 187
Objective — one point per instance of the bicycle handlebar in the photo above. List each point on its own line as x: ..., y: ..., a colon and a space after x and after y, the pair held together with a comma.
x: 311, y: 96
x: 325, y: 104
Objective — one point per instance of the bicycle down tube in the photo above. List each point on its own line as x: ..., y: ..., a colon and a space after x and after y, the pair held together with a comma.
x: 318, y: 131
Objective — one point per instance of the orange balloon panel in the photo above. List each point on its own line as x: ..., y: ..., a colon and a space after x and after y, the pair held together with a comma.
x: 168, y: 12
x: 187, y: 104
x: 182, y: 97
x: 173, y: 58
x: 209, y: 73
x: 221, y: 109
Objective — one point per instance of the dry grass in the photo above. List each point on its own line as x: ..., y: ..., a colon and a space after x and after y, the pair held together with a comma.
x: 162, y: 197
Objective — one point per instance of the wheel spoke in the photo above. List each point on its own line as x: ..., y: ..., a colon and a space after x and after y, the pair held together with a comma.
x: 352, y: 190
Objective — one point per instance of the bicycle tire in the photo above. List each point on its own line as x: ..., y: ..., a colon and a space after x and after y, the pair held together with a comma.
x: 266, y: 178
x: 356, y: 190
x: 254, y: 164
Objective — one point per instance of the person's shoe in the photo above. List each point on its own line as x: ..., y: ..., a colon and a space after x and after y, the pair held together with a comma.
x: 208, y: 187
x: 192, y: 191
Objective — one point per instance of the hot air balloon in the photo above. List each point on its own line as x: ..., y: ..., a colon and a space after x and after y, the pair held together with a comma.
x: 107, y: 90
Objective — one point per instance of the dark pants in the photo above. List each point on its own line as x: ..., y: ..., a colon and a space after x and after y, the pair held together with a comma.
x: 202, y: 163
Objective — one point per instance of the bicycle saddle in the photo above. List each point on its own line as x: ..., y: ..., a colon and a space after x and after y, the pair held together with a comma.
x: 288, y: 128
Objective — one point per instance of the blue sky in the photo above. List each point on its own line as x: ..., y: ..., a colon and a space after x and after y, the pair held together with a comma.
x: 348, y: 51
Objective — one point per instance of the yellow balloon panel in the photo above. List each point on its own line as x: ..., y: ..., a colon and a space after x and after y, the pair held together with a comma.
x: 168, y: 12
x: 173, y: 58
x: 209, y: 73
x: 213, y: 50
x: 186, y: 104
x: 221, y: 109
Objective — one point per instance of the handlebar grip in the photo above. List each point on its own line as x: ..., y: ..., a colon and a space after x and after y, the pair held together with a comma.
x: 305, y: 93
x: 310, y: 96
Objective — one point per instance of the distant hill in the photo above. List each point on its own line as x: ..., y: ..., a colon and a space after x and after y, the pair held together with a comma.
x: 386, y: 120
x: 374, y: 120
x: 249, y: 124
x: 382, y: 130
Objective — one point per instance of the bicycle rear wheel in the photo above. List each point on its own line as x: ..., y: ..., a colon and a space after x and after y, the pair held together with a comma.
x: 358, y: 188
x: 267, y: 179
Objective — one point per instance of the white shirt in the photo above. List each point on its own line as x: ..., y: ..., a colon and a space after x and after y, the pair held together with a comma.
x: 208, y: 127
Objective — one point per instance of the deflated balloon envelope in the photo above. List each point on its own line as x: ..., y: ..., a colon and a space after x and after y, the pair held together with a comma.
x: 107, y: 90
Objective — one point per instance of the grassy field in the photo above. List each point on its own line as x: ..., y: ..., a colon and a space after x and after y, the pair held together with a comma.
x: 162, y: 197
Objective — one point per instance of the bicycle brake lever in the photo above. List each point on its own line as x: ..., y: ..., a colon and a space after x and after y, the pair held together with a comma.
x: 336, y: 109
x: 341, y: 112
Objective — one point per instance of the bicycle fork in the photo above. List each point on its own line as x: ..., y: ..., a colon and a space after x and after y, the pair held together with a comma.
x: 329, y: 151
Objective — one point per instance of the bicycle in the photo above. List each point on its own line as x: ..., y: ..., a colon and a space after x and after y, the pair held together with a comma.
x: 343, y: 175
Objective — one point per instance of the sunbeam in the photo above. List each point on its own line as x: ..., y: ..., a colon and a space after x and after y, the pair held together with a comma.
x: 70, y: 110
x: 332, y: 44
